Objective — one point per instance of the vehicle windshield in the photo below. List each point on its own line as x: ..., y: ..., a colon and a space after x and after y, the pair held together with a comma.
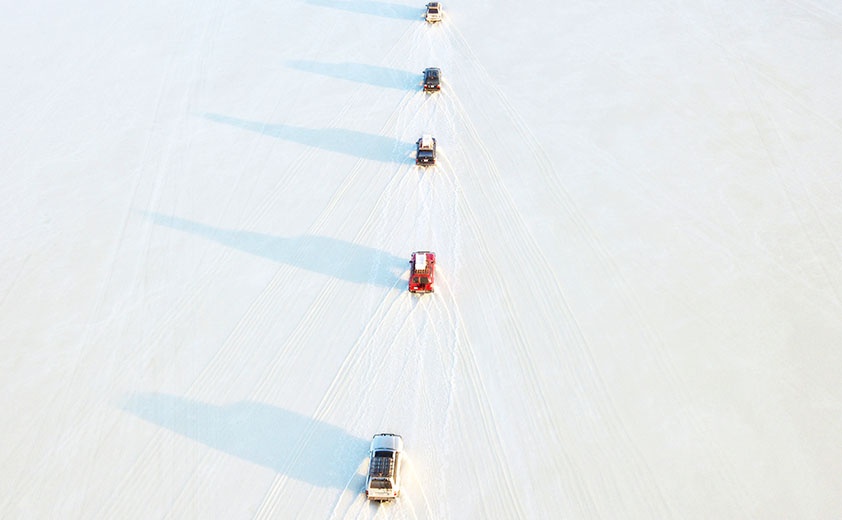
x: 380, y: 483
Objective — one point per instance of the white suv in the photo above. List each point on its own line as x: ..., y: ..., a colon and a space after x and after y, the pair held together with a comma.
x: 433, y: 13
x: 384, y: 480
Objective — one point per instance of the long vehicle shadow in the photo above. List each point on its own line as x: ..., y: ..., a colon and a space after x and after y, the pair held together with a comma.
x: 349, y: 142
x: 370, y: 7
x: 361, y: 73
x: 324, y: 255
x: 286, y: 442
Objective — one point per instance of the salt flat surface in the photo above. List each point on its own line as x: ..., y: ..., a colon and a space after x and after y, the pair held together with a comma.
x: 209, y: 207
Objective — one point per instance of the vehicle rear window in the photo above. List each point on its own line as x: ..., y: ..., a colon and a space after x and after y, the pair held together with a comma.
x: 388, y: 454
x: 381, y: 484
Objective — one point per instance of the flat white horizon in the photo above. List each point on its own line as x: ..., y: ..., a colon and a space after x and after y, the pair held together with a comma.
x: 208, y: 211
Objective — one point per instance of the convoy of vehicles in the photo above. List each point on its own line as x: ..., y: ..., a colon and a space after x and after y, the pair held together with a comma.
x: 383, y: 482
x: 433, y: 13
x: 384, y: 464
x: 432, y: 79
x: 425, y: 150
x: 385, y: 455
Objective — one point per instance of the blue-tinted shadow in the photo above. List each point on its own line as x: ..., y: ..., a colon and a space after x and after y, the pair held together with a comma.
x: 370, y: 7
x: 324, y: 255
x: 287, y: 442
x: 361, y: 73
x: 350, y: 142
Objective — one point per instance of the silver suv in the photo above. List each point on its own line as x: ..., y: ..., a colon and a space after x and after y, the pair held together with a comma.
x: 384, y: 481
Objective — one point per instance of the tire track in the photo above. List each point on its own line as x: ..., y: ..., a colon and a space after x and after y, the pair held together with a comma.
x: 500, y: 199
x: 465, y: 356
x: 362, y: 354
x: 88, y: 342
x: 780, y: 143
x: 755, y: 102
x: 652, y: 338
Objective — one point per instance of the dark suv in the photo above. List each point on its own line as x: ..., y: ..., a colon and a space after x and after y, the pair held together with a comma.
x: 425, y: 154
x: 432, y: 79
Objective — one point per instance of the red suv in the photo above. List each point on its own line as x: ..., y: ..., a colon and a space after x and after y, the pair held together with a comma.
x: 422, y: 272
